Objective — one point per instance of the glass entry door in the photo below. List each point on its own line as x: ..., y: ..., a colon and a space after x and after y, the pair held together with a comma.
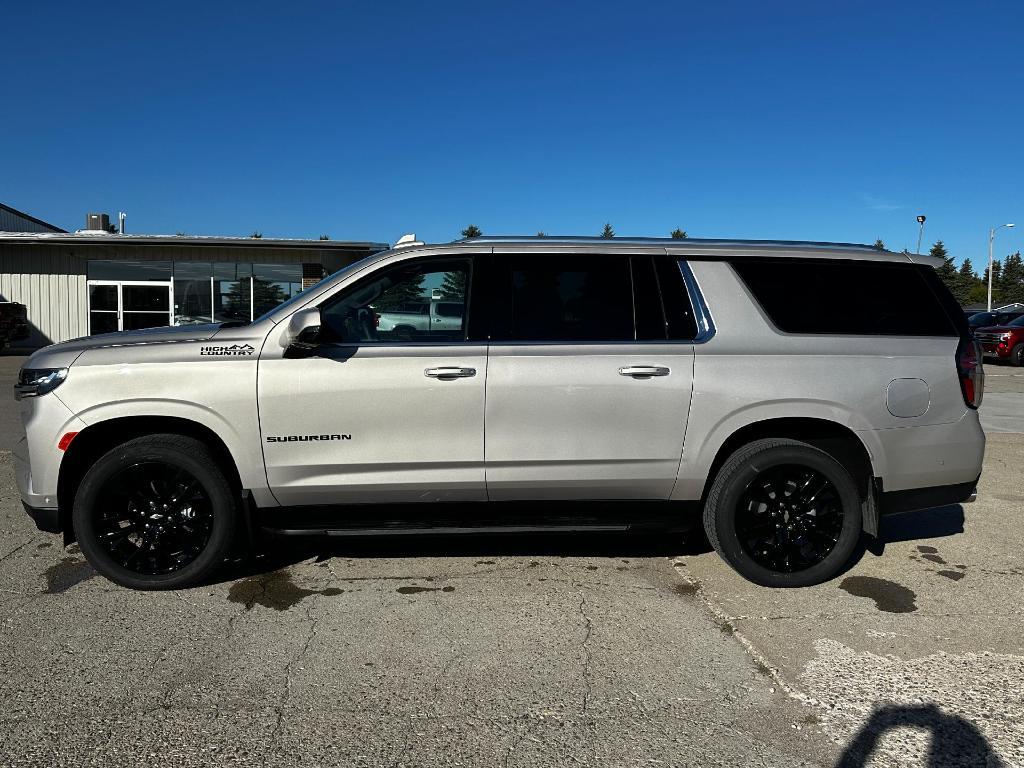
x: 128, y: 305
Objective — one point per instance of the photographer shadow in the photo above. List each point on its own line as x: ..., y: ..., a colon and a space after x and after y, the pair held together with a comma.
x: 954, y: 740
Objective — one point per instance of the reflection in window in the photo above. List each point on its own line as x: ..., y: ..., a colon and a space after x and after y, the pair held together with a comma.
x: 273, y: 284
x: 192, y: 292
x: 414, y: 303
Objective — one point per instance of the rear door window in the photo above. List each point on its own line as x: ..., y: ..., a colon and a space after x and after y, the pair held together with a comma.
x: 562, y: 297
x: 861, y: 298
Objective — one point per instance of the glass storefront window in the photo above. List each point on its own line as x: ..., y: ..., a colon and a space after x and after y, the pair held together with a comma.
x: 274, y: 284
x: 232, y: 292
x: 192, y: 297
x: 96, y: 269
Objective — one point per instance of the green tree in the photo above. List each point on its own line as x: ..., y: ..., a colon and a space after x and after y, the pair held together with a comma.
x: 678, y: 234
x: 454, y: 285
x: 325, y: 237
x: 947, y: 271
x: 256, y: 235
x: 472, y: 231
x: 879, y: 245
x: 607, y: 233
x: 966, y: 281
x: 408, y: 288
x: 541, y: 234
x: 1012, y: 280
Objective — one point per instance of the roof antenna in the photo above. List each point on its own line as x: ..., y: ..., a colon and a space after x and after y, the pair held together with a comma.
x: 407, y: 240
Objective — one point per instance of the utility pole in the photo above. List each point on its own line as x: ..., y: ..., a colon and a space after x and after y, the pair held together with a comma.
x: 991, y: 239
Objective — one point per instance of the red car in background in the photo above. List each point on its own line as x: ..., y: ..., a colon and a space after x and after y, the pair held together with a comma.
x: 1004, y: 342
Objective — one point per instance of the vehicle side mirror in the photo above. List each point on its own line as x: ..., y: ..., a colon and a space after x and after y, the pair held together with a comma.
x: 302, y: 330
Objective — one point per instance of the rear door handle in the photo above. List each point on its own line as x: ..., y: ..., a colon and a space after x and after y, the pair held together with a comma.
x: 644, y: 371
x: 452, y: 372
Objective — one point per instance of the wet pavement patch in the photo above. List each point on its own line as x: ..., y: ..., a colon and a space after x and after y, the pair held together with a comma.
x: 888, y: 595
x: 954, y: 575
x: 66, y: 574
x: 273, y: 590
x: 931, y: 553
x: 417, y: 590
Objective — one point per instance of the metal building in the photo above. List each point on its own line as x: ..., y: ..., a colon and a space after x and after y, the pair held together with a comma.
x: 13, y: 220
x: 93, y: 281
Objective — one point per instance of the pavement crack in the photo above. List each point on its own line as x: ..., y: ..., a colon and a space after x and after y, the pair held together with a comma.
x: 286, y: 695
x: 588, y: 657
x: 18, y: 548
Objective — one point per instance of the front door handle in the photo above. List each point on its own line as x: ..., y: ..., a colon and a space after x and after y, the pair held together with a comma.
x: 644, y: 371
x: 452, y: 372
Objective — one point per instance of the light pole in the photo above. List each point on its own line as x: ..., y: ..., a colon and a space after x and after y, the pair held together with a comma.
x: 991, y: 239
x: 920, y: 232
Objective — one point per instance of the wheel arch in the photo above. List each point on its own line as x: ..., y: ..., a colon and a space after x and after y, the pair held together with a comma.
x: 98, y: 438
x: 836, y: 439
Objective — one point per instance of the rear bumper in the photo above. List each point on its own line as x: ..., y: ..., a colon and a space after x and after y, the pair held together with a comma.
x: 45, y: 519
x: 928, y: 498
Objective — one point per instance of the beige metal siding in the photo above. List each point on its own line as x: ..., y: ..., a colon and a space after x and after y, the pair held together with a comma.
x: 50, y: 281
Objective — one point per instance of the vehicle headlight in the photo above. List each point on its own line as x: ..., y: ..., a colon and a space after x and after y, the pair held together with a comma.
x: 33, y: 382
x: 1005, y: 336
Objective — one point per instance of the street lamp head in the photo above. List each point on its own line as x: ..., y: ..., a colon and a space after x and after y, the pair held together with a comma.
x: 1008, y: 225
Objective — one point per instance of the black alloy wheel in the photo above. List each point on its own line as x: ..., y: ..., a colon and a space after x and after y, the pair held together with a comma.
x: 784, y: 513
x: 156, y: 512
x: 790, y: 518
x: 153, y: 518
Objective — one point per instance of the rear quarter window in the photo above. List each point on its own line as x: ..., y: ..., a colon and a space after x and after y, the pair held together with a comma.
x: 859, y: 298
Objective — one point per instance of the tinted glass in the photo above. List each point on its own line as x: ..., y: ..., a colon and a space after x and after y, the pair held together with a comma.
x: 862, y: 298
x: 981, y: 318
x: 679, y: 316
x: 1018, y: 323
x: 128, y: 270
x: 395, y: 306
x: 549, y: 297
x: 650, y: 320
x: 103, y: 297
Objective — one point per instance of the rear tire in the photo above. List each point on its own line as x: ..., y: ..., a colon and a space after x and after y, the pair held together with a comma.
x: 155, y: 513
x: 783, y: 513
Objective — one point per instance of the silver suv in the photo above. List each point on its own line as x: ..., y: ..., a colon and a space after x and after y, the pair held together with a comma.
x: 785, y: 394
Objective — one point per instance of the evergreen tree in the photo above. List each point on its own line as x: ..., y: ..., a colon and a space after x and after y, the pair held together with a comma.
x: 879, y: 245
x: 947, y: 272
x: 966, y: 281
x: 325, y: 237
x: 256, y: 235
x: 454, y: 285
x: 472, y: 231
x: 678, y: 234
x: 541, y: 234
x: 1011, y: 281
x: 607, y: 233
x: 408, y: 289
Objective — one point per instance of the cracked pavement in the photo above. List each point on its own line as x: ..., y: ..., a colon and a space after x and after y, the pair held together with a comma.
x: 521, y: 652
x: 537, y: 651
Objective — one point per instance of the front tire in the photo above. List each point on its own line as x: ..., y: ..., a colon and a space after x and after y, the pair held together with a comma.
x: 155, y: 513
x: 783, y: 513
x: 1017, y: 355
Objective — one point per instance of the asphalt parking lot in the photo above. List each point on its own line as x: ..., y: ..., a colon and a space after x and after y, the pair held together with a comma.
x: 589, y: 650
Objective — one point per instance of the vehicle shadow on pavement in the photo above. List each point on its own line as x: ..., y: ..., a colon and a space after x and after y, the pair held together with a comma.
x: 922, y: 524
x: 280, y: 552
x: 954, y: 741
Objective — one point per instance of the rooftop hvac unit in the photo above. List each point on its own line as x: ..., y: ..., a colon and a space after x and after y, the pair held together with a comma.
x: 98, y: 222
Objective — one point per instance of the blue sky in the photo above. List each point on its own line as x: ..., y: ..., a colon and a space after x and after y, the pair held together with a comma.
x: 802, y: 120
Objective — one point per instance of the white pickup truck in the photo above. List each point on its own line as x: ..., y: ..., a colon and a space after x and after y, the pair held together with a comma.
x: 432, y: 315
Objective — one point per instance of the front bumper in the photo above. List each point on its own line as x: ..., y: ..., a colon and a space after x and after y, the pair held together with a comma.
x: 48, y: 520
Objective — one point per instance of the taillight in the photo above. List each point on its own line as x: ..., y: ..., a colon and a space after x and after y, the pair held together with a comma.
x: 971, y: 372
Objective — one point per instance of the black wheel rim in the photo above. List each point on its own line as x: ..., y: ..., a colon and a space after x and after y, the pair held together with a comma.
x: 153, y: 518
x: 789, y: 518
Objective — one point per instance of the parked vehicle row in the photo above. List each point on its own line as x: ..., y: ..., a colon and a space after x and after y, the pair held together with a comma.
x: 782, y: 395
x: 13, y: 323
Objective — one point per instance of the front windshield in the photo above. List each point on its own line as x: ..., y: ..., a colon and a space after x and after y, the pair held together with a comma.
x: 1018, y: 323
x: 301, y: 295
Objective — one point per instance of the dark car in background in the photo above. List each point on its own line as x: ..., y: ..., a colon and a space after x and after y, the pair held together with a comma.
x: 1004, y: 341
x: 997, y: 317
x: 13, y: 323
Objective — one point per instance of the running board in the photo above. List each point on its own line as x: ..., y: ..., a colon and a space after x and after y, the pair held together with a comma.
x: 442, y: 530
x: 480, y: 519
